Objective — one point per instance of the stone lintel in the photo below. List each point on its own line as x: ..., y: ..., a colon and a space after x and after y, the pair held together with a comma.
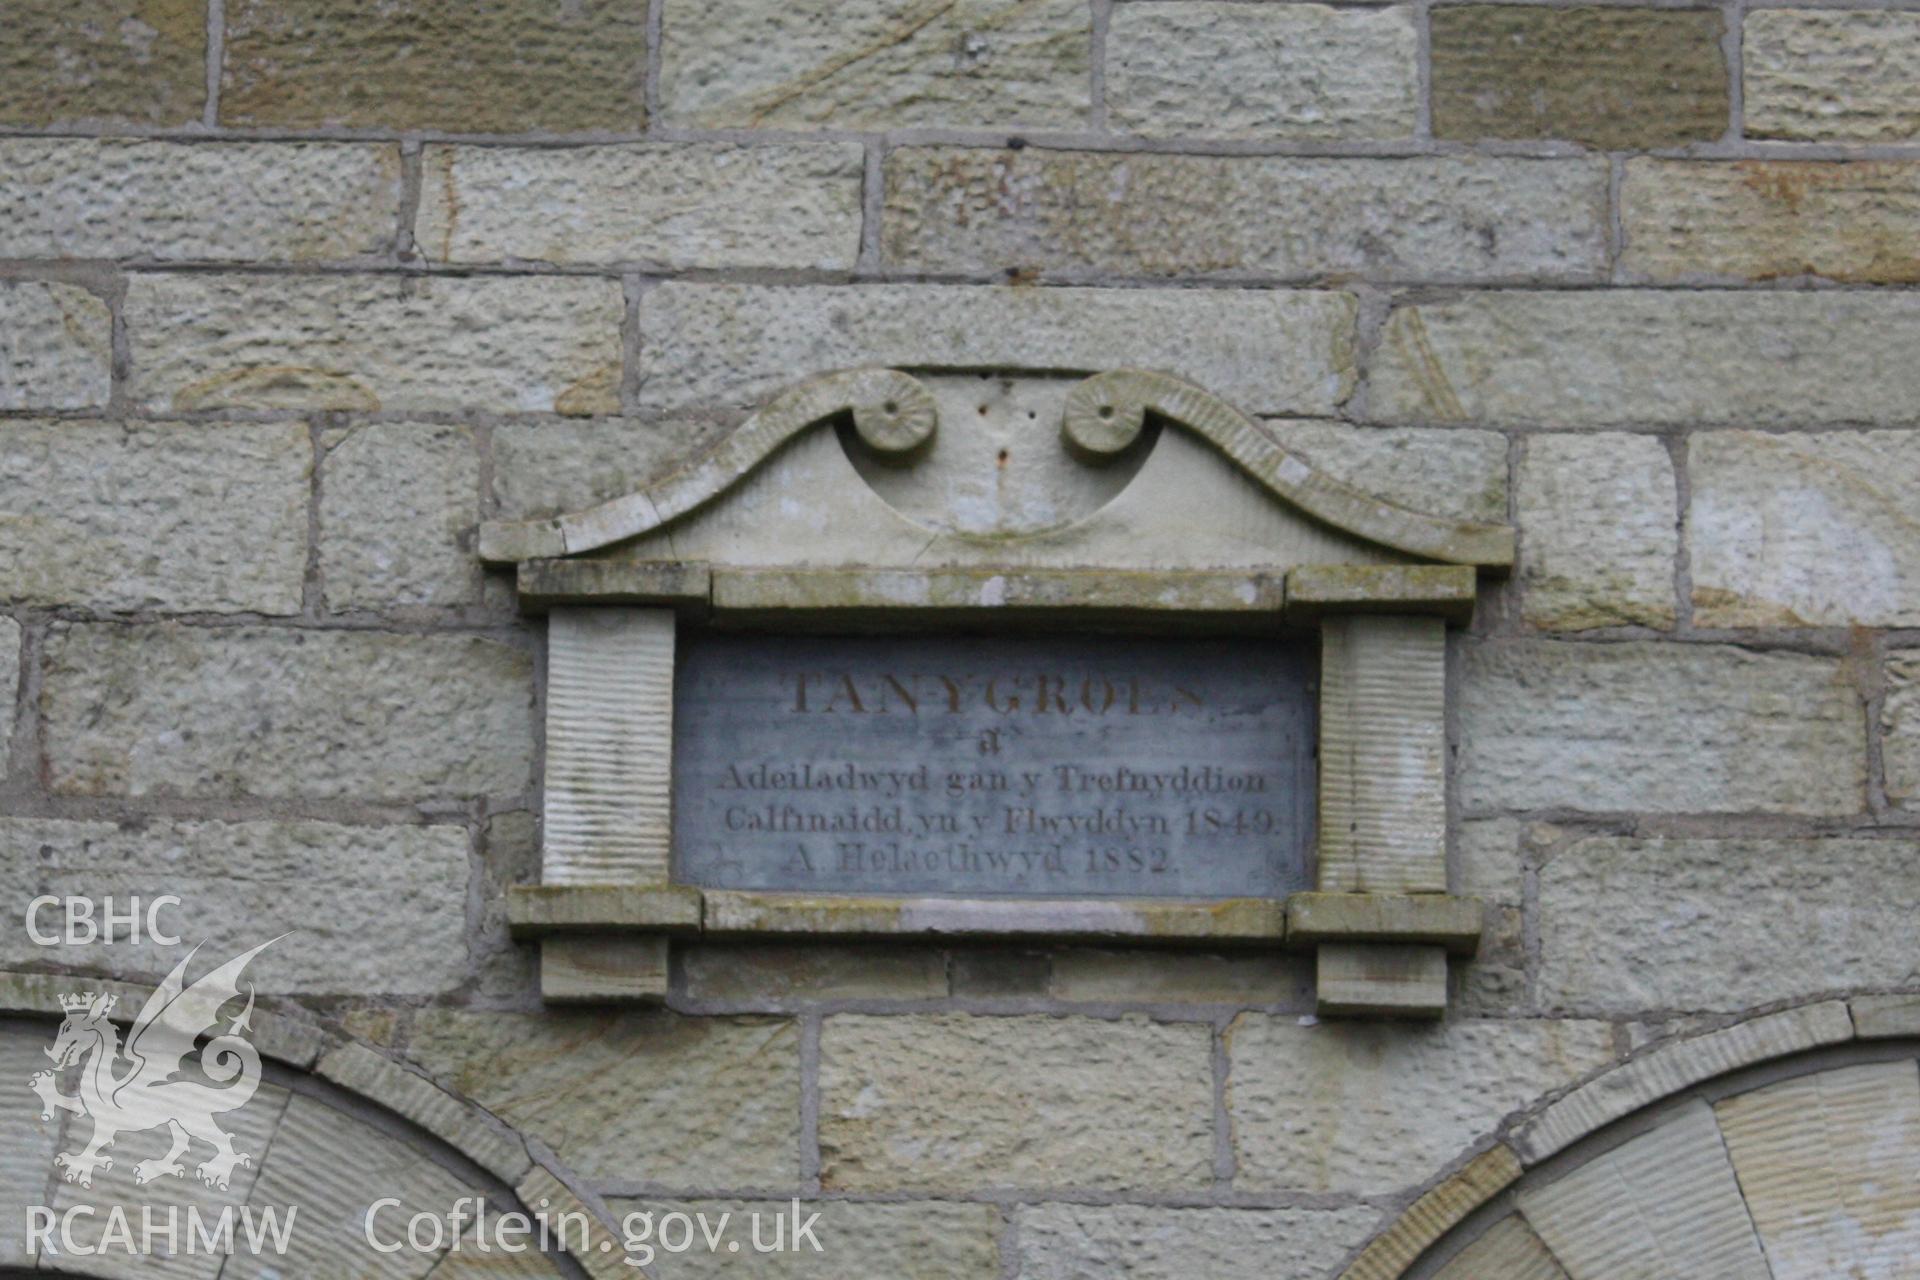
x: 1077, y: 590
x: 678, y: 584
x: 1384, y: 980
x: 1230, y: 920
x: 922, y: 595
x: 603, y: 967
x: 1443, y: 590
x: 1437, y: 919
x: 535, y: 910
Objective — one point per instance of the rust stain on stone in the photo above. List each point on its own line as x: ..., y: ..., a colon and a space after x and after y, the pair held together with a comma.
x: 450, y: 193
x: 598, y: 392
x: 1436, y: 390
x: 277, y: 387
x: 901, y: 32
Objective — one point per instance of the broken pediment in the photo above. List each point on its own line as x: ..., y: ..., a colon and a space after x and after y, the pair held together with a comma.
x: 885, y: 470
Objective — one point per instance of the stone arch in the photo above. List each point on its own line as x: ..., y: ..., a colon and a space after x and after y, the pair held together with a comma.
x: 1782, y: 1147
x: 333, y: 1125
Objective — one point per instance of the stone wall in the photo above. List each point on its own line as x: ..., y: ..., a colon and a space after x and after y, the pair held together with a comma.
x: 294, y: 292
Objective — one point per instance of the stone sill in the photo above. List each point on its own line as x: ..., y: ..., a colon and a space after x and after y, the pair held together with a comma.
x: 1301, y: 920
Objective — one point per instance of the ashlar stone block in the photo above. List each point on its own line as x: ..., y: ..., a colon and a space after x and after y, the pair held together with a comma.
x: 888, y: 1119
x: 1374, y: 1108
x: 1598, y: 543
x: 1198, y: 68
x: 876, y: 64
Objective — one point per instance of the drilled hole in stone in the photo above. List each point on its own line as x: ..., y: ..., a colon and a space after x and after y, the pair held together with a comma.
x: 983, y: 411
x: 1106, y: 411
x: 890, y: 408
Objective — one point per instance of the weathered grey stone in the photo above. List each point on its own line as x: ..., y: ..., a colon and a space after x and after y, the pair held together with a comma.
x: 1667, y: 1197
x: 777, y: 975
x: 1598, y: 536
x: 876, y: 64
x: 509, y: 855
x: 1629, y: 925
x: 9, y: 686
x: 611, y: 751
x: 674, y: 204
x: 921, y: 1240
x: 1365, y: 979
x: 1372, y: 1108
x: 477, y: 1136
x: 678, y: 1101
x: 1832, y: 75
x: 1436, y: 1211
x: 1489, y: 860
x: 1604, y: 357
x: 598, y: 968
x: 371, y: 910
x: 594, y: 1245
x: 1267, y: 352
x: 478, y: 1260
x: 1900, y: 727
x: 1183, y: 977
x: 1797, y: 530
x: 1642, y: 725
x: 27, y: 1146
x: 170, y: 710
x: 434, y: 64
x: 128, y: 61
x: 1884, y: 1017
x: 1074, y: 1242
x: 1761, y: 219
x: 1000, y: 972
x: 552, y: 468
x: 1509, y: 1250
x: 513, y: 344
x: 1494, y: 982
x: 1830, y: 1167
x: 1669, y: 1068
x: 154, y: 515
x: 251, y: 1128
x: 950, y: 209
x: 1041, y: 1097
x: 1611, y: 76
x: 1204, y: 69
x: 226, y: 201
x: 55, y: 346
x: 399, y: 503
x: 1382, y: 785
x: 330, y: 1167
x: 1444, y: 473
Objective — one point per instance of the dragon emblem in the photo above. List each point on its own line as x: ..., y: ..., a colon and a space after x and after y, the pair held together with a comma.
x: 147, y: 1094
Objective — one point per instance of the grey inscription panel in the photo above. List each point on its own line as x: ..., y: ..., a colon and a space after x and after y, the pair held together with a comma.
x: 1029, y: 767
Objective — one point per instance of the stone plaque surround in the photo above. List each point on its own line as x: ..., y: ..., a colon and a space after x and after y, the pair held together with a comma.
x: 877, y: 501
